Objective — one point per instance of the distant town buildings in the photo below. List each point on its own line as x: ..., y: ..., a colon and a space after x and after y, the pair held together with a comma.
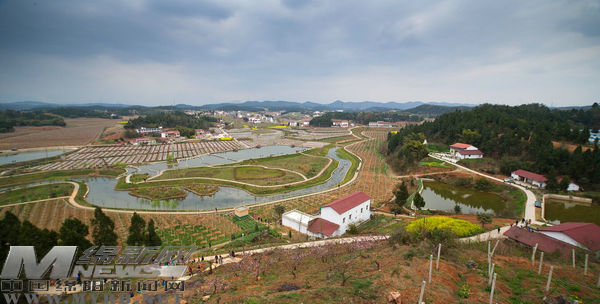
x: 334, y: 219
x: 529, y: 177
x: 465, y: 151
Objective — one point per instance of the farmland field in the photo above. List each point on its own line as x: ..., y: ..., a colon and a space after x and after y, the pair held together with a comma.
x: 309, y: 166
x: 79, y: 131
x: 35, y: 193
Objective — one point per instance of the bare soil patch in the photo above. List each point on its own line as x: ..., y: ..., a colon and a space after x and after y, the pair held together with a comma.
x: 79, y: 131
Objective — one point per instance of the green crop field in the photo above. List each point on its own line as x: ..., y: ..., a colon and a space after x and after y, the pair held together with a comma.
x: 191, y: 235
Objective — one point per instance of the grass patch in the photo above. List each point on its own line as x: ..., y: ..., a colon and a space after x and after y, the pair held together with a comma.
x: 159, y: 192
x: 432, y: 162
x: 252, y: 175
x: 438, y: 148
x: 307, y: 165
x: 35, y: 193
x: 459, y: 227
x: 136, y: 178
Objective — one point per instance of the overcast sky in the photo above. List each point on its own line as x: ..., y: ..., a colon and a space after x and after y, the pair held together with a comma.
x: 197, y: 52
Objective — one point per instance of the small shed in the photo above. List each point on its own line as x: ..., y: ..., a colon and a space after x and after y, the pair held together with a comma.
x: 241, y: 212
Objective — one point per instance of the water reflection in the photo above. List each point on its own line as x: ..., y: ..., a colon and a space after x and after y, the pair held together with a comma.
x: 102, y: 191
x: 441, y: 196
x: 26, y: 156
x: 562, y: 211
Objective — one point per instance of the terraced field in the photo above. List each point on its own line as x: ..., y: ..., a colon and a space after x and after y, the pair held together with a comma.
x: 96, y: 157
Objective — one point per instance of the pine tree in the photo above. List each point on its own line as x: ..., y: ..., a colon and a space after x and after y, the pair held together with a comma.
x: 73, y: 233
x: 152, y: 239
x: 419, y: 201
x: 401, y: 193
x: 137, y: 231
x: 103, y: 229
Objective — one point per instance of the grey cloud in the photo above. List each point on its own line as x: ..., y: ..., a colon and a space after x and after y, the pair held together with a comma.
x: 254, y: 49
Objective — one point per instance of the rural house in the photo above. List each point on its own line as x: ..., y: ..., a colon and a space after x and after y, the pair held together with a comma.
x: 335, y: 217
x: 529, y: 177
x: 561, y: 238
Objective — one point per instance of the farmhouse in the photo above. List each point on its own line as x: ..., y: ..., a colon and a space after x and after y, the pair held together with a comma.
x: 340, y: 123
x: 169, y: 134
x: 335, y: 217
x: 199, y: 133
x: 144, y: 130
x: 380, y: 124
x: 561, y: 238
x: 529, y: 177
x: 469, y: 154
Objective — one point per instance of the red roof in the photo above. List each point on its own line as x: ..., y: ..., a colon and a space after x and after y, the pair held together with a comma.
x: 348, y: 202
x: 587, y: 234
x: 530, y: 175
x: 322, y: 226
x: 460, y: 146
x: 469, y: 152
x: 545, y: 243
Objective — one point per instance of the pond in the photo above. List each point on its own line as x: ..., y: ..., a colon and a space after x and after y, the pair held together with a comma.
x: 102, y: 193
x: 26, y: 156
x: 441, y: 196
x: 558, y: 211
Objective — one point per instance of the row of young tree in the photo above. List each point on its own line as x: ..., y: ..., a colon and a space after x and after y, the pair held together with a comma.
x: 517, y: 136
x: 186, y: 124
x: 364, y: 118
x: 11, y: 118
x: 73, y: 232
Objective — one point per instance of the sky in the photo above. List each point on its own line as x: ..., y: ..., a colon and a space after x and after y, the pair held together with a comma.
x: 154, y: 52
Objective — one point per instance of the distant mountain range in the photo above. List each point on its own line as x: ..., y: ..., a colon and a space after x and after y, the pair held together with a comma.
x: 416, y: 107
x: 258, y: 106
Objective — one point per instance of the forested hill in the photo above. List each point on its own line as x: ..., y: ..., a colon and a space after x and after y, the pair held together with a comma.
x: 178, y: 120
x: 9, y: 119
x: 364, y: 118
x: 519, y: 136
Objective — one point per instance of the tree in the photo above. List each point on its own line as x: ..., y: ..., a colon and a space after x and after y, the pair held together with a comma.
x: 73, y: 233
x: 152, y: 239
x: 137, y: 230
x: 564, y: 183
x: 401, y: 193
x: 103, y: 229
x: 42, y: 240
x: 457, y: 209
x: 9, y: 234
x: 279, y: 210
x: 419, y: 201
x: 484, y: 218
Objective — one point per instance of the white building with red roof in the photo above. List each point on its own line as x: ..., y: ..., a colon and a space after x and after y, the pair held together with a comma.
x: 465, y: 151
x: 335, y: 217
x: 529, y: 177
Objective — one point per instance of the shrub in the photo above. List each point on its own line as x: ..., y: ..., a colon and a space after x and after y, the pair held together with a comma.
x: 352, y: 229
x: 460, y: 228
x: 464, y: 291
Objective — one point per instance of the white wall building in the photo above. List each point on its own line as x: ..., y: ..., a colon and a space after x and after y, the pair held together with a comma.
x: 335, y: 217
x: 469, y: 154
